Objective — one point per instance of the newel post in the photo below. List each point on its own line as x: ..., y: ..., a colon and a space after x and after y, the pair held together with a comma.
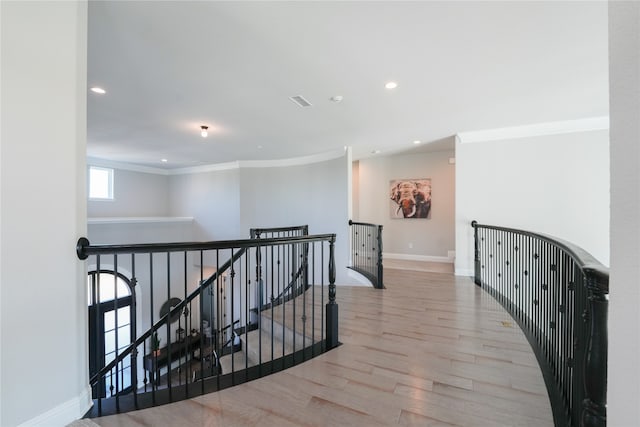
x: 380, y: 282
x: 331, y: 306
x: 476, y: 254
x: 594, y: 406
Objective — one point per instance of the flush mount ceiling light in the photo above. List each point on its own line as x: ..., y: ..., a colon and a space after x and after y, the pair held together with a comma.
x: 99, y: 90
x: 391, y: 85
x: 203, y: 131
x: 417, y: 141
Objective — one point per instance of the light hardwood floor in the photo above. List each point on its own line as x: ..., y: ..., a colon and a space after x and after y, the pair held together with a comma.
x: 431, y: 349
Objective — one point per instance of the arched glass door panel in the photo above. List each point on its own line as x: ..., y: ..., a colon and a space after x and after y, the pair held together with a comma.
x: 110, y: 329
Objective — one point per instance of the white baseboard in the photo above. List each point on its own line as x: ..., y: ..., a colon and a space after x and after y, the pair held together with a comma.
x: 65, y: 413
x: 464, y: 272
x: 411, y: 257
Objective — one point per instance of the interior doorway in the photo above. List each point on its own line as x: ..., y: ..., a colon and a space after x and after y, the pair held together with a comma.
x: 110, y: 329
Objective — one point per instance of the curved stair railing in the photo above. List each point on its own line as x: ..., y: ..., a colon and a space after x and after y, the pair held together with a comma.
x: 200, y: 359
x: 366, y: 251
x: 299, y: 266
x: 558, y: 294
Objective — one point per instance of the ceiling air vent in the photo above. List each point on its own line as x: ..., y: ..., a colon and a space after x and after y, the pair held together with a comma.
x: 299, y: 99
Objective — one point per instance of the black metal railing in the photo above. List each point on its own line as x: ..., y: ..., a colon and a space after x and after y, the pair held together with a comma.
x: 366, y: 251
x: 298, y: 266
x: 225, y: 332
x: 557, y: 293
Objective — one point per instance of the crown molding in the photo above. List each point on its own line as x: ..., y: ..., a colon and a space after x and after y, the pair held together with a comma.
x: 538, y: 129
x: 95, y: 161
x: 241, y: 164
x: 138, y: 220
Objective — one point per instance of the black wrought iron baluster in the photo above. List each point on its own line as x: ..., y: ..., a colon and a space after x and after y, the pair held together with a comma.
x: 313, y: 298
x: 116, y: 330
x: 203, y: 330
x: 304, y: 316
x: 154, y: 371
x: 246, y: 308
x: 187, y: 328
x: 295, y: 321
x: 274, y: 278
x: 322, y: 312
x: 216, y: 349
x: 168, y: 325
x: 284, y: 264
x: 99, y: 340
x: 134, y: 331
x: 231, y: 320
x: 259, y: 306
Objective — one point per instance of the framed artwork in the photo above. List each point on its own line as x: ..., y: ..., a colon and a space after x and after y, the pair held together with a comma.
x: 410, y: 198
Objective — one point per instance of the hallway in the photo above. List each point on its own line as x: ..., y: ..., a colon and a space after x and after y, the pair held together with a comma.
x: 431, y: 349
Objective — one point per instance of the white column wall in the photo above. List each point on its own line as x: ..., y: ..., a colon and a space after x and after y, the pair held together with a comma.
x: 555, y: 184
x: 44, y: 373
x: 624, y: 298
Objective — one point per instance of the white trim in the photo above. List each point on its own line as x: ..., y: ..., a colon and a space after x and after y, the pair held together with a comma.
x: 464, y: 272
x: 412, y: 257
x: 138, y: 220
x: 538, y: 129
x: 278, y: 163
x: 204, y: 168
x: 65, y: 413
x: 94, y: 161
x: 359, y: 279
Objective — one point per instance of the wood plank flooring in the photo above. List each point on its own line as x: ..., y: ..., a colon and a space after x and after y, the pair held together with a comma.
x: 430, y: 350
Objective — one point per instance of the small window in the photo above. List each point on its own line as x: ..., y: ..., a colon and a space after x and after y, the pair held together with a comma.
x: 100, y: 183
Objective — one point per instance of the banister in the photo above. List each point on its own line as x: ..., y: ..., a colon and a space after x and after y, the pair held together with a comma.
x: 296, y: 265
x: 366, y: 251
x: 584, y: 258
x: 558, y: 296
x: 84, y: 248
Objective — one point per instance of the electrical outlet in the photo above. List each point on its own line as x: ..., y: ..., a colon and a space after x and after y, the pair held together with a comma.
x: 410, y: 245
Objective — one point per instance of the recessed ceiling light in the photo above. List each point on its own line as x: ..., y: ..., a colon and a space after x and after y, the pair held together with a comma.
x: 164, y: 160
x: 417, y: 141
x: 375, y: 152
x: 99, y: 90
x: 203, y: 131
x: 391, y: 85
x: 336, y: 99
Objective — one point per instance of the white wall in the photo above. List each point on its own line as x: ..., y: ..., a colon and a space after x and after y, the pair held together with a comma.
x: 316, y: 194
x: 624, y: 299
x: 430, y: 238
x: 212, y: 199
x: 44, y: 372
x: 135, y: 194
x: 557, y: 185
x: 153, y: 231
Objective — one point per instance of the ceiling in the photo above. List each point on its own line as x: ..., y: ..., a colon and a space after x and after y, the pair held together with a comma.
x: 169, y: 67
